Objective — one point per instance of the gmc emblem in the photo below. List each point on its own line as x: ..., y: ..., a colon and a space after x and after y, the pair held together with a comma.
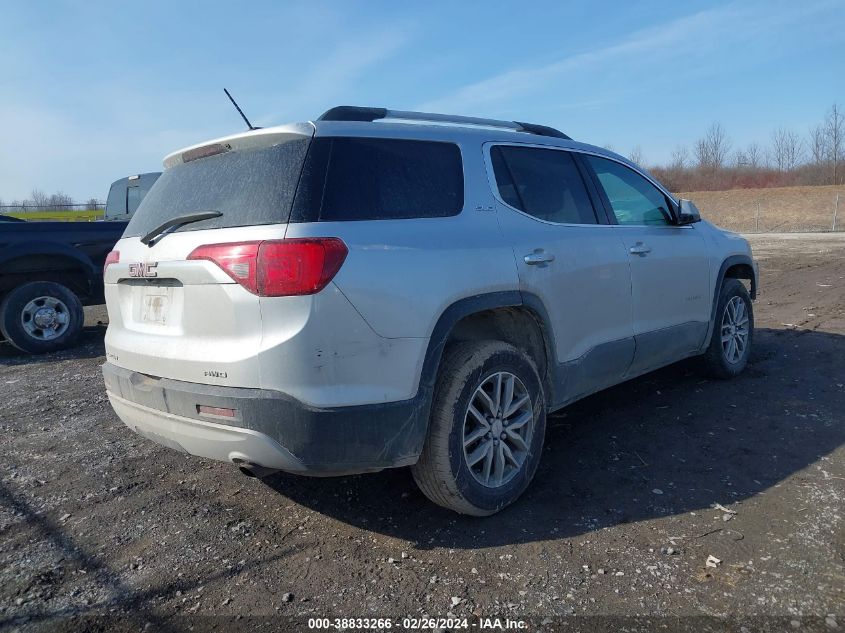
x: 143, y: 269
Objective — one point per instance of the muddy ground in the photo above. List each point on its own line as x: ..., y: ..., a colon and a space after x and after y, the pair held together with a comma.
x: 96, y: 521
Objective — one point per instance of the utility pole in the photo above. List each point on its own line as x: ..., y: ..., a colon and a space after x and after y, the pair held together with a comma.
x: 835, y: 209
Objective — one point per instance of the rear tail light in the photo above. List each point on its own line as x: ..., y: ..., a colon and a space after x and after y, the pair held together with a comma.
x: 238, y: 260
x: 298, y: 266
x: 277, y: 268
x: 112, y: 258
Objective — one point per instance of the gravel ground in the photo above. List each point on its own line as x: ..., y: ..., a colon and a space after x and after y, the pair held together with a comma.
x: 100, y: 528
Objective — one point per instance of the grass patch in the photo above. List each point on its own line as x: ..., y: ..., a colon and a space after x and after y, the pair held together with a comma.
x: 73, y: 215
x: 777, y: 209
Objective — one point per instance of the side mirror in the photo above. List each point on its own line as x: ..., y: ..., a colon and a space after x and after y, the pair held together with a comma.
x: 688, y: 213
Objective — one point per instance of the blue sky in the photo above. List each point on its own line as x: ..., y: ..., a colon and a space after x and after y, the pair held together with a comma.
x: 92, y: 91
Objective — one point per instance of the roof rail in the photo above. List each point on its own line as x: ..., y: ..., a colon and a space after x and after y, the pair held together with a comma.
x: 356, y: 113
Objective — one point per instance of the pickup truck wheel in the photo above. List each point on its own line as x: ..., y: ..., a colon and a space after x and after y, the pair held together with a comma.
x: 733, y: 331
x: 487, y: 428
x: 41, y: 317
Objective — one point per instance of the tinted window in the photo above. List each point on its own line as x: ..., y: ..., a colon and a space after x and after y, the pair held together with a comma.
x: 634, y: 199
x: 126, y: 194
x: 133, y: 199
x: 544, y: 183
x: 374, y: 179
x: 116, y: 202
x: 248, y: 186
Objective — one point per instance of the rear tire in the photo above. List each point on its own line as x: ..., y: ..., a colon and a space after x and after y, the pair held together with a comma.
x: 458, y: 434
x: 41, y: 317
x: 733, y: 332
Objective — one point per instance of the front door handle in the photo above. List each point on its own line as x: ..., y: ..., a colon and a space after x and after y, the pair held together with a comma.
x: 539, y: 256
x: 639, y: 249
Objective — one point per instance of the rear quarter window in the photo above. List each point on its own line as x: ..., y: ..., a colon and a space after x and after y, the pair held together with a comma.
x: 351, y: 178
x: 544, y: 183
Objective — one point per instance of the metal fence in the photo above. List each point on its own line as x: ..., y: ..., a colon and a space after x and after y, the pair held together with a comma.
x: 775, y: 210
x: 26, y: 207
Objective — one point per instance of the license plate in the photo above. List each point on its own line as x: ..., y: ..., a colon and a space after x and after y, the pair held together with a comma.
x: 155, y: 308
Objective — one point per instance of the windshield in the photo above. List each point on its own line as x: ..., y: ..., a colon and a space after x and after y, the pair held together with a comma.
x: 248, y: 187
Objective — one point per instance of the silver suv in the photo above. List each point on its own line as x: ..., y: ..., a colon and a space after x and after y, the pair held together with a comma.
x: 378, y: 289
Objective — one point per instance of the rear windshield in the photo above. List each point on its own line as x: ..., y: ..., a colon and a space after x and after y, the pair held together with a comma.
x: 126, y: 194
x: 248, y: 186
x: 352, y: 178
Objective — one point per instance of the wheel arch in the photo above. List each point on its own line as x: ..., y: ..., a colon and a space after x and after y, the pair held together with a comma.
x: 515, y: 317
x: 46, y: 250
x: 733, y: 267
x: 47, y: 261
x: 740, y: 268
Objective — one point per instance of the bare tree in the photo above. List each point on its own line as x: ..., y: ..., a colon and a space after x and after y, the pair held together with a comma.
x: 702, y: 154
x: 92, y: 203
x: 38, y: 199
x: 719, y: 144
x: 786, y: 149
x: 711, y: 151
x: 754, y: 155
x: 834, y: 127
x: 636, y: 155
x: 680, y: 157
x: 711, y: 163
x: 817, y: 144
x: 59, y: 200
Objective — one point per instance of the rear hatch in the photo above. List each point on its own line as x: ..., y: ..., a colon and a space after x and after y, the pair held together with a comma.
x: 174, y: 310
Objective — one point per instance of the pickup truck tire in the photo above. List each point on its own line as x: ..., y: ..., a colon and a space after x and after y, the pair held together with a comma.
x: 487, y: 427
x: 41, y: 317
x: 733, y: 332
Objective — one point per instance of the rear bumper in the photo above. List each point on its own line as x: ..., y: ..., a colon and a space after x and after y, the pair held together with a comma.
x: 268, y: 428
x: 206, y: 439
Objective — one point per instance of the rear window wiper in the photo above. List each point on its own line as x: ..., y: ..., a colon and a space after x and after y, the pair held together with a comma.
x: 178, y: 221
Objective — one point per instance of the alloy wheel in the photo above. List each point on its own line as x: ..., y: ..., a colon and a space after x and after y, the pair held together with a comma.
x: 735, y: 330
x: 497, y: 431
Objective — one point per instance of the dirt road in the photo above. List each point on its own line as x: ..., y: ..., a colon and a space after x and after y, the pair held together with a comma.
x: 95, y: 521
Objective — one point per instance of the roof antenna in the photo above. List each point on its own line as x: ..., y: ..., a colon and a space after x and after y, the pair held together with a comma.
x: 241, y: 112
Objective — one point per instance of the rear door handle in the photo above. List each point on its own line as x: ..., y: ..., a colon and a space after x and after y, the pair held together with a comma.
x: 539, y: 256
x: 639, y: 249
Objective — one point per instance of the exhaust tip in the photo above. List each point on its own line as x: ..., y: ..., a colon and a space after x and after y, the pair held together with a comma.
x: 255, y: 471
x: 246, y: 471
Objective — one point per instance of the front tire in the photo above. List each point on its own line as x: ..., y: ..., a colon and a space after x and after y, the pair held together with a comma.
x: 41, y: 317
x: 487, y: 429
x: 733, y: 332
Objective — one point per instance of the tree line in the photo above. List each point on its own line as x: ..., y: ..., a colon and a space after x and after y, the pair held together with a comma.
x: 711, y: 164
x: 788, y: 159
x: 40, y: 201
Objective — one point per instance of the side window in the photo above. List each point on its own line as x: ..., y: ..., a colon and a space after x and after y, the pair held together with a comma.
x: 134, y: 195
x: 116, y: 202
x: 634, y: 199
x: 380, y: 179
x: 544, y: 183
